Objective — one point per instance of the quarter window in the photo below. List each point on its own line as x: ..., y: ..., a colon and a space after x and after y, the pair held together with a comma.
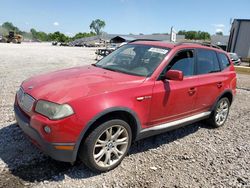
x: 207, y: 62
x: 223, y: 60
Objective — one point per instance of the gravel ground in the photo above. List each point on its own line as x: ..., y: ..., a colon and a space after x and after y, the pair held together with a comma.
x: 194, y: 156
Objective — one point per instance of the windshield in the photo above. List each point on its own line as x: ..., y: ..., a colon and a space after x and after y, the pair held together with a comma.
x: 140, y: 60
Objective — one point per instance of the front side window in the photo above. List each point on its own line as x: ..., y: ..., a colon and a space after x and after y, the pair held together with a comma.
x: 134, y: 59
x: 183, y: 61
x: 223, y: 60
x: 207, y: 62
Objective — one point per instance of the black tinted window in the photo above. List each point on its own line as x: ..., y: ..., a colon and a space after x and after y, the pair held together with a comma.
x: 183, y: 61
x: 223, y: 60
x: 207, y: 62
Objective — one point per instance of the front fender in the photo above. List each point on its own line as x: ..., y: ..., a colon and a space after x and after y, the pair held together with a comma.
x: 98, y: 116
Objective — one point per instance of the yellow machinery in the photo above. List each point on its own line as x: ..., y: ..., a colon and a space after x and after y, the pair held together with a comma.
x: 14, y: 38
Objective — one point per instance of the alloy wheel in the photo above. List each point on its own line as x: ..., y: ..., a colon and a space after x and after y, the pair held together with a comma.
x: 111, y: 146
x: 221, y: 112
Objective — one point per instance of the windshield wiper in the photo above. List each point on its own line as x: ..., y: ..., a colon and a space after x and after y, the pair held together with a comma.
x: 95, y: 65
x: 107, y: 68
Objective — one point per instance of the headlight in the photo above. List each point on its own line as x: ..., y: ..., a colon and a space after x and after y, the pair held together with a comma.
x: 52, y: 110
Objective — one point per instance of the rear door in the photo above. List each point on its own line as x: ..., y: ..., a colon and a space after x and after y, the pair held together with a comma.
x: 211, y: 79
x: 171, y: 99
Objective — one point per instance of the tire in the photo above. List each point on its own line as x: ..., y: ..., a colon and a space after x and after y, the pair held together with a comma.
x: 14, y: 41
x: 220, y: 113
x: 106, y: 146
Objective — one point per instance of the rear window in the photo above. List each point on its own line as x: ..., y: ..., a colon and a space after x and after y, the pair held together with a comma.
x: 207, y: 62
x: 223, y: 60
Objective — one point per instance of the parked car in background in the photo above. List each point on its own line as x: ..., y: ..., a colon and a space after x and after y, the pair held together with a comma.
x: 235, y: 58
x: 143, y: 88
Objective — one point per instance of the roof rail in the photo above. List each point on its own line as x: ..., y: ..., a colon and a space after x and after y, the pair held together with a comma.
x: 143, y: 40
x: 208, y: 44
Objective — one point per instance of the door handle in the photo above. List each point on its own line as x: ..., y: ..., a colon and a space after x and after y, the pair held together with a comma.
x: 219, y: 84
x: 192, y: 90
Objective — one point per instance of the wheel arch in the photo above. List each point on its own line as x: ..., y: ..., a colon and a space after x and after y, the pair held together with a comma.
x: 122, y: 113
x: 226, y: 93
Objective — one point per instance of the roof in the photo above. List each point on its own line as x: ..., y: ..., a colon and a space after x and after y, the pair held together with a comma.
x: 126, y: 38
x: 162, y: 37
x: 247, y: 20
x: 170, y: 45
x: 219, y: 39
x: 235, y: 21
x: 156, y: 43
x: 108, y: 37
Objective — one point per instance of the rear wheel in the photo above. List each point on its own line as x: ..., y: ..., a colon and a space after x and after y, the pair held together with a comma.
x: 220, y: 113
x: 106, y: 146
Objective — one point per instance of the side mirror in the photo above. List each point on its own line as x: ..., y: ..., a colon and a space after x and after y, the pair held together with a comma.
x: 174, y: 75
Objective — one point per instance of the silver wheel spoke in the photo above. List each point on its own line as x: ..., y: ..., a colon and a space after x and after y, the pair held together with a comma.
x: 109, y: 133
x: 118, y: 151
x: 107, y: 158
x: 99, y: 155
x: 118, y: 133
x: 221, y: 119
x: 217, y: 117
x: 121, y: 141
x: 224, y: 105
x: 225, y: 110
x: 100, y: 143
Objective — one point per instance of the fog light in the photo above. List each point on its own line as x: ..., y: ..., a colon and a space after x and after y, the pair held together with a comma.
x: 47, y: 129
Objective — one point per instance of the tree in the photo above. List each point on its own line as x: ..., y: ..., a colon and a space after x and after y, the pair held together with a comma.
x: 39, y: 35
x: 219, y: 33
x: 195, y: 35
x: 83, y: 35
x: 97, y: 25
x: 3, y: 31
x: 33, y: 33
x: 43, y: 36
x: 57, y: 36
x: 10, y: 27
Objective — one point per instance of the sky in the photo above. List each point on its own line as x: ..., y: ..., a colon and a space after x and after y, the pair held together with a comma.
x: 124, y: 16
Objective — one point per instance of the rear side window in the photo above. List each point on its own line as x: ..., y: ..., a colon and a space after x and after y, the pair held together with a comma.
x: 183, y: 61
x: 207, y: 62
x: 223, y: 60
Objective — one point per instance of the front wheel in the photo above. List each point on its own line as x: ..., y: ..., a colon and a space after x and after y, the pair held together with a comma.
x: 220, y: 113
x: 106, y: 146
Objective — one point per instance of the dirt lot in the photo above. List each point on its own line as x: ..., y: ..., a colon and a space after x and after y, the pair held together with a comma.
x: 194, y: 156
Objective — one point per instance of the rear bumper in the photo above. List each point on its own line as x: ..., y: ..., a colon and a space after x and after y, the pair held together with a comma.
x: 46, y: 147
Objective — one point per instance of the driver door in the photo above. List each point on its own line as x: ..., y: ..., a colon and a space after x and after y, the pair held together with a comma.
x: 171, y: 99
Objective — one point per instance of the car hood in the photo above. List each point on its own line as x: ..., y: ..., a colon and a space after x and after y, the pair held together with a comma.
x: 69, y: 84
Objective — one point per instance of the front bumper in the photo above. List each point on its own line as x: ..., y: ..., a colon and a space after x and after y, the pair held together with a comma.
x: 46, y: 147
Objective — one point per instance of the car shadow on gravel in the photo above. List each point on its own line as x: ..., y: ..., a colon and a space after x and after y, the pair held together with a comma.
x: 26, y: 164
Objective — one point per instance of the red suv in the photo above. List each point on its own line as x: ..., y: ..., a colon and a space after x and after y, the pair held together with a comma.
x: 143, y: 88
